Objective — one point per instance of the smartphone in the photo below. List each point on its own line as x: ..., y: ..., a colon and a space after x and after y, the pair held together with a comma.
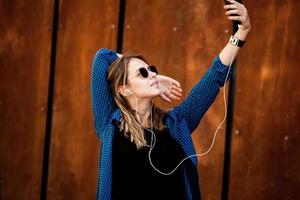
x: 235, y: 22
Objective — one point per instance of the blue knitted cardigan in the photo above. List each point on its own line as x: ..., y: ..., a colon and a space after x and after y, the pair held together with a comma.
x: 181, y: 120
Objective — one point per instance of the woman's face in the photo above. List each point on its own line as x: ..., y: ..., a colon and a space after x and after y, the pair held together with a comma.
x: 141, y: 87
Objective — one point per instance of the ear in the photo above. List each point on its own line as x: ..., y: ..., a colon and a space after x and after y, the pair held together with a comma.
x: 122, y: 90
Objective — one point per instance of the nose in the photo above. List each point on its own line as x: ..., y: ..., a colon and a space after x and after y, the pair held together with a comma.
x: 152, y: 74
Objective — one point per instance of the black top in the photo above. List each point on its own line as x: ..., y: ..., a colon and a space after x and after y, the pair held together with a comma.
x: 133, y: 176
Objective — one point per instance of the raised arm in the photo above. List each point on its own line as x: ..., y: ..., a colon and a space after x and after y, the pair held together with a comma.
x: 229, y: 52
x: 203, y: 94
x: 103, y: 103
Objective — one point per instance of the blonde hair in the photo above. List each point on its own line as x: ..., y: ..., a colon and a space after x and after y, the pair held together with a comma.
x: 130, y: 123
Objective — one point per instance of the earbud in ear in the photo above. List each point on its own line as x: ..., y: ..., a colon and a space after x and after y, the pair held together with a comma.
x: 129, y: 92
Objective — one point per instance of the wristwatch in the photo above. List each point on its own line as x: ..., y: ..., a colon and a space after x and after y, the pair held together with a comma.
x: 236, y: 41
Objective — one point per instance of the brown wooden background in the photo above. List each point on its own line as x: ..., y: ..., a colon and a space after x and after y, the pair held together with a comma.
x: 46, y: 51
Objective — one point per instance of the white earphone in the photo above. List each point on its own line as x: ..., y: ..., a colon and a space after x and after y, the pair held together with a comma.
x: 153, y: 137
x: 129, y: 91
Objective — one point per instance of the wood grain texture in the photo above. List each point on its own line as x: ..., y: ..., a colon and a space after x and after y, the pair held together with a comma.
x: 84, y: 27
x: 265, y: 155
x: 25, y: 47
x: 182, y: 38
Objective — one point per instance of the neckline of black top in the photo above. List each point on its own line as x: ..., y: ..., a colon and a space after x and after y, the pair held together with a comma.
x: 131, y: 168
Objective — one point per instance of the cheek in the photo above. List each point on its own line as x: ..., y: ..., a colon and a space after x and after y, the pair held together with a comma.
x: 141, y: 83
x: 143, y: 87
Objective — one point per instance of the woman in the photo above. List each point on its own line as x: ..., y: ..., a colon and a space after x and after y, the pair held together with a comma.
x: 128, y: 123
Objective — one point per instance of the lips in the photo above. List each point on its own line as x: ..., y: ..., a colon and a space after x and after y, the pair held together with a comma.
x: 155, y: 82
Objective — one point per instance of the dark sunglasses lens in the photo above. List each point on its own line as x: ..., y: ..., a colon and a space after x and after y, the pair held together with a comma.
x: 144, y: 72
x: 152, y: 68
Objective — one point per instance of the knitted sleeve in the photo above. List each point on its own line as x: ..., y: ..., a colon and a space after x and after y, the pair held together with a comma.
x: 203, y: 94
x: 103, y: 103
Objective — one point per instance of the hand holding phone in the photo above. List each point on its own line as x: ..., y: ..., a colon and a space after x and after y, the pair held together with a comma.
x: 235, y: 22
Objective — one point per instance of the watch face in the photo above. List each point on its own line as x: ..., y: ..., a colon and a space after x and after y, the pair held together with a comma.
x: 234, y: 40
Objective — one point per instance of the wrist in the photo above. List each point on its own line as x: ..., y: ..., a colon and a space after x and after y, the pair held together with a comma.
x: 236, y: 41
x: 242, y: 34
x: 245, y: 31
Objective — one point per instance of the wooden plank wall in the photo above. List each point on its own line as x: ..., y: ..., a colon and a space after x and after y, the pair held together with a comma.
x: 84, y: 27
x: 181, y: 38
x: 265, y: 147
x: 25, y: 48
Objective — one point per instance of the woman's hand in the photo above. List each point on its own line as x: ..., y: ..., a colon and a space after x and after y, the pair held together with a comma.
x: 241, y: 11
x: 169, y: 88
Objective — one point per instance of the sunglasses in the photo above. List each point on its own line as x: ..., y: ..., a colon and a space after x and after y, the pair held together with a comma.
x: 143, y: 71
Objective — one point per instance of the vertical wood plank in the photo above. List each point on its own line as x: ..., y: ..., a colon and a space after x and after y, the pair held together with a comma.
x: 84, y: 27
x: 266, y: 138
x: 25, y: 47
x: 182, y: 38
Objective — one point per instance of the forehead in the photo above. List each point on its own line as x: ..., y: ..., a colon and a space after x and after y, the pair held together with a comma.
x: 134, y: 64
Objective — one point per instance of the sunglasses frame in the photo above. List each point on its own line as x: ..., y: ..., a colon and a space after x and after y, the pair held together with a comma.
x: 144, y: 71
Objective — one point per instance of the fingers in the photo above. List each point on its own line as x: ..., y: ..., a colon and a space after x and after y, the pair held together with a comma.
x: 235, y: 6
x: 230, y: 6
x: 175, y: 92
x: 234, y: 12
x: 172, y: 96
x: 241, y: 18
x: 234, y: 2
x: 237, y: 9
x: 171, y: 93
x: 176, y: 83
x: 165, y: 97
x: 237, y: 18
x: 177, y: 89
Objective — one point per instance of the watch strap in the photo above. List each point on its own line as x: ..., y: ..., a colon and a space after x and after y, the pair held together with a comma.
x: 236, y: 41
